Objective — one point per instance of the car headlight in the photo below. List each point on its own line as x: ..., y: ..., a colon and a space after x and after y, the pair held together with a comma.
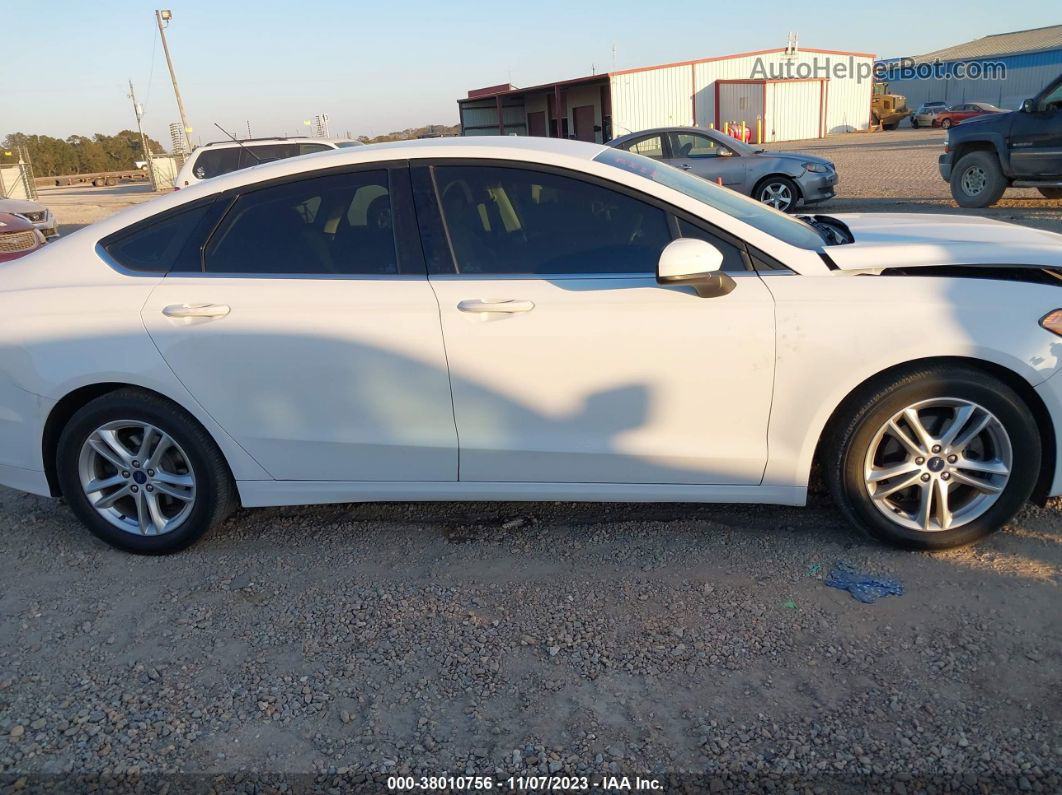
x: 818, y: 168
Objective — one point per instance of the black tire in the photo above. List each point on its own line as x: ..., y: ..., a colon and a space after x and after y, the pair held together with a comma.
x: 890, y: 126
x: 215, y: 490
x: 914, y: 123
x: 854, y: 428
x: 778, y: 181
x: 1051, y: 193
x: 976, y: 165
x: 946, y: 124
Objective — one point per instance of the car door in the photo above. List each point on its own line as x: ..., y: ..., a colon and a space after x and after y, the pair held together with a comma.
x: 653, y: 145
x: 306, y: 327
x: 568, y: 362
x: 708, y: 158
x: 1036, y: 136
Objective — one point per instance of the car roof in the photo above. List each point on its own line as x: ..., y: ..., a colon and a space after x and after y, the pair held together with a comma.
x: 659, y: 130
x: 263, y: 142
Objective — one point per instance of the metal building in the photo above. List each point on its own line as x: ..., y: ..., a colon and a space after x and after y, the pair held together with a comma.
x: 783, y: 94
x: 1030, y: 60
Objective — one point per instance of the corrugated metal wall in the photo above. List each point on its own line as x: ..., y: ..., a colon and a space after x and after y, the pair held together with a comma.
x: 653, y: 98
x: 681, y: 95
x: 793, y: 110
x: 1026, y: 75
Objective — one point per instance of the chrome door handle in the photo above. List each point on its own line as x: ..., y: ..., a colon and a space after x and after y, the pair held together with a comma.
x: 196, y: 310
x: 506, y: 306
x: 685, y: 166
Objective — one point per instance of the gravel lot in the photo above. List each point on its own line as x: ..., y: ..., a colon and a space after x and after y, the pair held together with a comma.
x: 323, y: 649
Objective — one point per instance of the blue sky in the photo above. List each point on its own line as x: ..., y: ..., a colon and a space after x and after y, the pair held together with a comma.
x: 382, y: 66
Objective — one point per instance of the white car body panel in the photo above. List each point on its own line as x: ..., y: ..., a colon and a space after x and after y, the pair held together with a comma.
x: 70, y: 319
x: 318, y: 379
x: 610, y: 379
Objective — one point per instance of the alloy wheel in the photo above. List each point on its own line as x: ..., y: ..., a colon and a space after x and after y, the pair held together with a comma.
x: 938, y: 464
x: 137, y: 477
x: 776, y: 195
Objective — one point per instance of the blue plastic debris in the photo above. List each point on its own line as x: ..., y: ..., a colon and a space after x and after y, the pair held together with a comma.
x: 864, y: 587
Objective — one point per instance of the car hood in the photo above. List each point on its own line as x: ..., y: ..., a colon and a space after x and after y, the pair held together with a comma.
x: 800, y: 157
x: 20, y: 206
x: 901, y: 240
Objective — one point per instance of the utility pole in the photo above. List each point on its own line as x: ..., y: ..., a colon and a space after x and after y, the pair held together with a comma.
x: 160, y: 17
x: 143, y: 141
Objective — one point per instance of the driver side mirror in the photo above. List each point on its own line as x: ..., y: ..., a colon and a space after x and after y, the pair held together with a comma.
x: 1028, y: 106
x: 694, y: 263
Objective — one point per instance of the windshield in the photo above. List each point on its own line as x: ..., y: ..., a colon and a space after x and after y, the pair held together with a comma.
x: 754, y: 213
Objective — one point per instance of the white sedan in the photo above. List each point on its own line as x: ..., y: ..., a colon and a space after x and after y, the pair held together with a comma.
x: 527, y: 319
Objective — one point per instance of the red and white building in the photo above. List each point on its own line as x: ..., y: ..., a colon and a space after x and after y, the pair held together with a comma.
x: 793, y: 93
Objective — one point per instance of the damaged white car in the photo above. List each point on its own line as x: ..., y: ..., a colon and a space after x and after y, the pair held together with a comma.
x: 527, y: 319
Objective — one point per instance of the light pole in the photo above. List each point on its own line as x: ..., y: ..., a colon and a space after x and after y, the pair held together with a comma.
x: 165, y: 15
x: 143, y: 140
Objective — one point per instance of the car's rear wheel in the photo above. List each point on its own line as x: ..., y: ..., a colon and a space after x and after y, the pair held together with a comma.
x: 977, y: 180
x: 914, y: 123
x: 946, y: 124
x: 937, y: 458
x: 778, y: 192
x: 1051, y: 193
x: 142, y: 474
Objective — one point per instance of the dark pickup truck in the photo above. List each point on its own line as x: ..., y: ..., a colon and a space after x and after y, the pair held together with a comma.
x: 985, y: 155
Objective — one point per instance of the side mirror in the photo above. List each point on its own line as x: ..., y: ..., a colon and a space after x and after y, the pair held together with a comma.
x: 694, y: 263
x: 1028, y: 106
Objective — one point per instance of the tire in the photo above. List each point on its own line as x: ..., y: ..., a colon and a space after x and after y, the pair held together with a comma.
x: 914, y: 124
x: 190, y: 453
x: 856, y: 434
x: 1051, y: 193
x: 946, y: 124
x: 889, y: 126
x: 977, y: 180
x: 776, y: 186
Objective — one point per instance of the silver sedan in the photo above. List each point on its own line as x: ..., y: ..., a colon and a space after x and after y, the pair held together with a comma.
x: 783, y: 180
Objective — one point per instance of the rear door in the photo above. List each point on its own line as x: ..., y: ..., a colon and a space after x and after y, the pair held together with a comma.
x: 568, y: 362
x: 306, y: 327
x: 708, y: 158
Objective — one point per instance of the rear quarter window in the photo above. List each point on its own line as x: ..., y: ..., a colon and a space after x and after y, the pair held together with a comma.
x: 157, y: 245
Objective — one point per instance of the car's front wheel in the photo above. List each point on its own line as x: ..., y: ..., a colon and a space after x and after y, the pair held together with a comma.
x: 937, y: 458
x: 977, y: 180
x: 778, y: 192
x: 142, y: 474
x: 946, y: 124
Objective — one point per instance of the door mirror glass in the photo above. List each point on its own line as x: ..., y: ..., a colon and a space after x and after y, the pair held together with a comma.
x: 694, y: 263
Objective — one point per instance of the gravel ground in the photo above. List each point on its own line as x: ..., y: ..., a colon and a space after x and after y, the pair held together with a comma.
x: 324, y: 649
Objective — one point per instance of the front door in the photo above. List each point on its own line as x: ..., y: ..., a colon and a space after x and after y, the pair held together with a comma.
x: 1036, y: 137
x: 311, y: 338
x: 569, y: 363
x: 708, y: 158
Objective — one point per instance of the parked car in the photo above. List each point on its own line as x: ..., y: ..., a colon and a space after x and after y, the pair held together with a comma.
x: 784, y: 180
x: 18, y: 237
x: 37, y: 214
x: 567, y: 321
x: 927, y: 113
x: 224, y: 157
x: 1023, y: 149
x: 958, y: 113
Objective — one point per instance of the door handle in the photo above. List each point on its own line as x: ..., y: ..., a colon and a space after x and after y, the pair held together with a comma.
x: 506, y: 306
x: 196, y: 310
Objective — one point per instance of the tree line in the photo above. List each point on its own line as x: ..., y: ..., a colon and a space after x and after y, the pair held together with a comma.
x: 78, y: 154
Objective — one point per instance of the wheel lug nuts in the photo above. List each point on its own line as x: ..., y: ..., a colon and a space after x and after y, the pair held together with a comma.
x: 151, y: 473
x: 125, y: 473
x: 936, y: 448
x: 952, y: 459
x: 149, y: 488
x: 945, y: 476
x: 920, y: 461
x: 925, y: 478
x: 136, y: 464
x: 134, y: 489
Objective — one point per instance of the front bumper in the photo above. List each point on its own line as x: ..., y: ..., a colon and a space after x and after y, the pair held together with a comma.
x: 817, y: 187
x: 944, y: 165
